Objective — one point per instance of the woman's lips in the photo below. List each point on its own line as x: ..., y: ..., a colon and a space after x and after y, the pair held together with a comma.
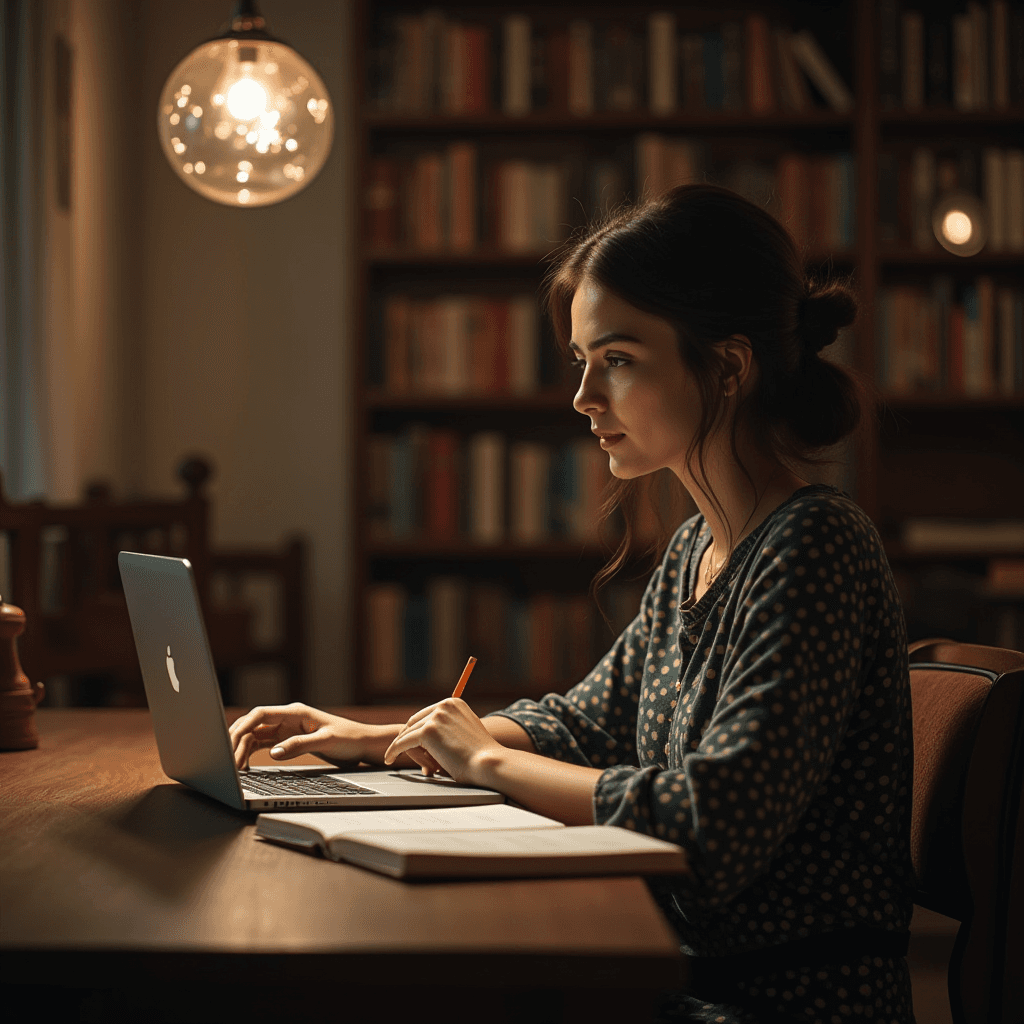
x: 610, y: 440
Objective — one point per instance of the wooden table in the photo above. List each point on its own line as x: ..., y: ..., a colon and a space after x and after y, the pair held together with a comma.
x: 123, y: 894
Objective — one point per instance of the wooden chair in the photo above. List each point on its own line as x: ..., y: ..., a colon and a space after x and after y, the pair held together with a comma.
x: 64, y: 576
x: 967, y: 836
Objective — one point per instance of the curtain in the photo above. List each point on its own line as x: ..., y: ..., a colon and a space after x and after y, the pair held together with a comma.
x: 23, y: 412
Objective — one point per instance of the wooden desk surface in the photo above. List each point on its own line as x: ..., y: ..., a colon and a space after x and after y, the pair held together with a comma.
x: 101, y: 854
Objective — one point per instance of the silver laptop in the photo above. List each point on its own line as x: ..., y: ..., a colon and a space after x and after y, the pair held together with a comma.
x: 188, y: 716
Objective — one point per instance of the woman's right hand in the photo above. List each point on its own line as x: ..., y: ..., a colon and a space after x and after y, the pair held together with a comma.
x: 293, y: 729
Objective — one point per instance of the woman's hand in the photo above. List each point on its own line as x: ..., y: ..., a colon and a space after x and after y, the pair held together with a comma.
x: 449, y: 735
x: 293, y: 729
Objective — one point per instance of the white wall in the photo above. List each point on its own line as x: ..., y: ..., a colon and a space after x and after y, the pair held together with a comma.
x: 243, y: 327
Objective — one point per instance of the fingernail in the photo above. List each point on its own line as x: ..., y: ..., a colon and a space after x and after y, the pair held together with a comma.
x: 276, y: 751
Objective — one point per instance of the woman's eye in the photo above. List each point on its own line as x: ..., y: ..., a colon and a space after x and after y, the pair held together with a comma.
x: 616, y: 360
x: 578, y: 364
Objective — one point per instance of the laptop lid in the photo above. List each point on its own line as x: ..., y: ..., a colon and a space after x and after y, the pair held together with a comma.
x: 178, y: 673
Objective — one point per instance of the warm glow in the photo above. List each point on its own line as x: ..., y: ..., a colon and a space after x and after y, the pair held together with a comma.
x: 957, y: 227
x: 247, y: 99
x: 245, y: 122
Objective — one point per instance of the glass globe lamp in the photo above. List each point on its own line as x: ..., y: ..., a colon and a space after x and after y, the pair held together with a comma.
x: 243, y: 119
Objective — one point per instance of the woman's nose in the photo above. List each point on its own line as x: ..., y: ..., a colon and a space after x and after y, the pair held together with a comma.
x: 589, y: 398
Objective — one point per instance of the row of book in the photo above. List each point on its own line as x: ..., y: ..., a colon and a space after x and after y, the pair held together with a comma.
x: 457, y: 345
x: 432, y: 62
x: 911, y: 181
x: 814, y: 195
x: 455, y: 200
x: 419, y: 638
x: 969, y: 56
x: 437, y: 485
x: 944, y: 339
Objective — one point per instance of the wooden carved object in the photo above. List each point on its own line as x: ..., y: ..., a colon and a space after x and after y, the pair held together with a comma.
x: 18, y: 697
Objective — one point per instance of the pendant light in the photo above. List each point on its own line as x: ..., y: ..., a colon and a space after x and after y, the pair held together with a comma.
x: 243, y: 119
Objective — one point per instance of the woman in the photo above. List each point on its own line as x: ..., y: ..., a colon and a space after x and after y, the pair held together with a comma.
x: 757, y: 710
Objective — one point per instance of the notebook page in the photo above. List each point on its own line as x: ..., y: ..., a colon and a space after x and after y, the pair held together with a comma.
x: 487, y: 817
x: 581, y: 840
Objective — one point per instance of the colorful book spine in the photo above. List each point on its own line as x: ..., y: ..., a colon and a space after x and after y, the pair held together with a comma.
x: 417, y: 637
x: 935, y: 340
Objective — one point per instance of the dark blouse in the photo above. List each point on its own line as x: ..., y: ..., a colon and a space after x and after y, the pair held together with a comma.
x: 765, y: 729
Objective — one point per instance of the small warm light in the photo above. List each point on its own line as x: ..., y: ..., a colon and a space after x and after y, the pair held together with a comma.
x: 271, y: 123
x: 956, y: 226
x: 959, y: 223
x: 247, y: 99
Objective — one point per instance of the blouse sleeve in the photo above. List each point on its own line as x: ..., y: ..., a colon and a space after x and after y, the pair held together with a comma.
x: 788, y: 675
x: 594, y: 724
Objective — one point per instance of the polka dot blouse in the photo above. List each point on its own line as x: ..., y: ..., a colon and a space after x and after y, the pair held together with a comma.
x: 765, y: 729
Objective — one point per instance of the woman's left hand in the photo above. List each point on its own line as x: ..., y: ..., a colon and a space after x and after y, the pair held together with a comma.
x: 453, y: 736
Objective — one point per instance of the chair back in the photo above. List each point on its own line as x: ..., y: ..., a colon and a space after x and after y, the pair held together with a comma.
x: 967, y: 833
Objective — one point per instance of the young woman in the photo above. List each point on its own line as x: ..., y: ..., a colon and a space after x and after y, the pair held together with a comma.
x: 757, y: 709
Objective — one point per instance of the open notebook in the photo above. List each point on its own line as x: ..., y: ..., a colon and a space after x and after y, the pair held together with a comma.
x: 491, y: 841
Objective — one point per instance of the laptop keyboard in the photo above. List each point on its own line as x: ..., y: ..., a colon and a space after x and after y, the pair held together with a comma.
x: 271, y: 783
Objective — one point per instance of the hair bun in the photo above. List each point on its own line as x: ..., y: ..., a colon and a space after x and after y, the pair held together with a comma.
x: 824, y: 309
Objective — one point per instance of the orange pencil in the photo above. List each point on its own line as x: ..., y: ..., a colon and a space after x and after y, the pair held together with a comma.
x: 464, y: 678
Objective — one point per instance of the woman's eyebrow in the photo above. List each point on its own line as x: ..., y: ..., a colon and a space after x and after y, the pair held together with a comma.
x: 606, y: 339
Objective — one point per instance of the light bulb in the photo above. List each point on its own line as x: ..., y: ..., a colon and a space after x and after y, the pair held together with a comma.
x: 959, y: 223
x: 243, y: 119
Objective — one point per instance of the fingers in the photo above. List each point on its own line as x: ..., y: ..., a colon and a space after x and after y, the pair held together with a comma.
x: 262, y: 726
x: 295, y: 745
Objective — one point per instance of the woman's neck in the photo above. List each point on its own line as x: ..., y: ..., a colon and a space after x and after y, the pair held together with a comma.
x: 743, y: 500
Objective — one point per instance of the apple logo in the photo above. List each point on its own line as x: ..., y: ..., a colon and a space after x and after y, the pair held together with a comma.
x: 170, y: 672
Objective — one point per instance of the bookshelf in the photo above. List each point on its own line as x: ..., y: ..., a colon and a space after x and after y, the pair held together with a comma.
x: 449, y: 421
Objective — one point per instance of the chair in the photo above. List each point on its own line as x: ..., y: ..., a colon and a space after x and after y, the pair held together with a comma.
x: 967, y: 833
x: 64, y: 576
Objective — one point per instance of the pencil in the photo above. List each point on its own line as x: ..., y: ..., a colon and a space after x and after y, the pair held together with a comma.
x: 464, y: 678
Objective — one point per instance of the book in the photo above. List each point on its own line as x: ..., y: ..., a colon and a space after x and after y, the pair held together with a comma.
x: 913, y: 60
x: 820, y: 71
x: 516, y: 66
x: 497, y: 840
x: 661, y: 44
x: 760, y: 95
x: 888, y: 54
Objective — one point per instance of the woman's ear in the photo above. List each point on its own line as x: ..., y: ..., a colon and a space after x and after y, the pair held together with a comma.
x: 737, y: 363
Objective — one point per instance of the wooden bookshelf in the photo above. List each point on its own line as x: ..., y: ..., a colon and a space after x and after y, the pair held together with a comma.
x: 902, y: 433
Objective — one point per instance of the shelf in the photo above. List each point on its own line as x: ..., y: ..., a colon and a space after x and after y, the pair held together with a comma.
x: 946, y: 117
x: 896, y: 552
x: 940, y: 258
x: 492, y: 257
x: 632, y: 121
x: 467, y: 551
x: 948, y: 400
x: 487, y: 257
x: 556, y: 400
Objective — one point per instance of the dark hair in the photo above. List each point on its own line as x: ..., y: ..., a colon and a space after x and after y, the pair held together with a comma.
x: 714, y: 265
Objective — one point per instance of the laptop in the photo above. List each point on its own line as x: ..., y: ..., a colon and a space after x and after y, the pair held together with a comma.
x: 191, y: 730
